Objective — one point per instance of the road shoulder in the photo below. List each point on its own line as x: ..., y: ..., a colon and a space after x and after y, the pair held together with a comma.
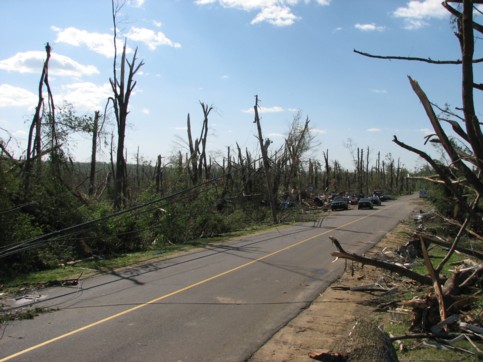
x: 329, y: 319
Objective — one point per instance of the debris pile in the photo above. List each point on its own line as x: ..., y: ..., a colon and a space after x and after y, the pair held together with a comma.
x: 447, y: 307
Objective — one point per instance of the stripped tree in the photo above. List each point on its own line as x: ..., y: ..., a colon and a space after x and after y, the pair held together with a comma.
x: 122, y: 85
x: 197, y: 161
x: 34, y: 144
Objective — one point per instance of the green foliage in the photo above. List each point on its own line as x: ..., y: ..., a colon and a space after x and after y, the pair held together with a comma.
x: 194, y: 215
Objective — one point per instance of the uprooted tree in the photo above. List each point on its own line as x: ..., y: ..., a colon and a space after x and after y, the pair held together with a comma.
x: 462, y: 175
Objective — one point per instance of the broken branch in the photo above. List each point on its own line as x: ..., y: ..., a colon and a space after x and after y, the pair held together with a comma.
x: 422, y: 279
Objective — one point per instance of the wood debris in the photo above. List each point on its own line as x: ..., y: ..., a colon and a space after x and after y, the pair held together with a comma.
x: 440, y: 315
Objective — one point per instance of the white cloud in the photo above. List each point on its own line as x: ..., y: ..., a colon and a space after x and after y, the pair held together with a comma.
x: 11, y: 96
x: 276, y: 15
x: 415, y: 12
x: 97, y: 42
x: 373, y: 130
x: 86, y: 96
x: 102, y: 43
x: 136, y: 3
x: 275, y: 12
x: 369, y: 27
x: 426, y: 131
x: 146, y: 111
x: 151, y: 38
x: 59, y: 65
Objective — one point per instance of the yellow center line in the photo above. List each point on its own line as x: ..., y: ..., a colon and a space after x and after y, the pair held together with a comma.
x: 188, y: 287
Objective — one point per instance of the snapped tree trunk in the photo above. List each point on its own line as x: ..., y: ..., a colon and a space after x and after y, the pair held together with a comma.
x: 92, y: 176
x: 266, y: 164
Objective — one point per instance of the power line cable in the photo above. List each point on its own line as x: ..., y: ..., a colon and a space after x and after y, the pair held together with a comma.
x: 38, y: 241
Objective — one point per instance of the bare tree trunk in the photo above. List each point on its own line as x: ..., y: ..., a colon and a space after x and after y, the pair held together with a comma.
x: 34, y: 145
x: 243, y: 170
x: 327, y: 170
x: 204, y: 137
x: 122, y: 92
x: 194, y: 151
x: 158, y: 176
x: 266, y: 164
x: 92, y: 177
x: 367, y: 171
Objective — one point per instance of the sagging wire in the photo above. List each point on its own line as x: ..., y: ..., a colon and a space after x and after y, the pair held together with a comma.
x: 75, y: 229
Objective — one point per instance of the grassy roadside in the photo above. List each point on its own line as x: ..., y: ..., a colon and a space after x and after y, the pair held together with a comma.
x: 96, y: 265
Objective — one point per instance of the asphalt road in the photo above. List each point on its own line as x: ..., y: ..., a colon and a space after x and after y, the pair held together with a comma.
x: 220, y: 303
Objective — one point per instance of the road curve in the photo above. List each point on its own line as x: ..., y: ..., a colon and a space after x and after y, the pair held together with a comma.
x: 220, y: 303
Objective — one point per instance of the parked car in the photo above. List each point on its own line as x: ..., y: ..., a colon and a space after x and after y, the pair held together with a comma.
x: 375, y: 200
x: 339, y: 203
x: 365, y: 203
x: 385, y: 197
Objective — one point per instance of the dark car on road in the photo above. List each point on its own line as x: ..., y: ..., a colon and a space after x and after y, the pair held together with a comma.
x: 339, y: 203
x: 375, y: 200
x: 385, y: 197
x: 365, y: 203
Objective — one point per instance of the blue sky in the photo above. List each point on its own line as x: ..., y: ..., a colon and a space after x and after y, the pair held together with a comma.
x: 296, y: 55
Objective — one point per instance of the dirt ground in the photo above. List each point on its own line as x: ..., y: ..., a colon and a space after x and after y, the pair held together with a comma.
x: 329, y: 319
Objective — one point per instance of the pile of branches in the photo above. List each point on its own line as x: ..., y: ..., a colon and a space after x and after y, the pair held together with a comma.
x: 443, y: 313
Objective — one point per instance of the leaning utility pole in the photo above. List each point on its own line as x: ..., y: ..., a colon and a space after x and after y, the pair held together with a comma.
x: 266, y: 164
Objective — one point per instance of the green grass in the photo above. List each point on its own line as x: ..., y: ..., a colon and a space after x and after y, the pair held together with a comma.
x: 425, y: 353
x: 415, y: 350
x: 437, y: 254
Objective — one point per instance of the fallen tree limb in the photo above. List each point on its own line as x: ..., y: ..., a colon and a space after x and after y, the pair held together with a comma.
x: 456, y: 223
x: 441, y: 242
x: 422, y: 279
x: 364, y: 288
x: 449, y: 336
x: 438, y: 290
